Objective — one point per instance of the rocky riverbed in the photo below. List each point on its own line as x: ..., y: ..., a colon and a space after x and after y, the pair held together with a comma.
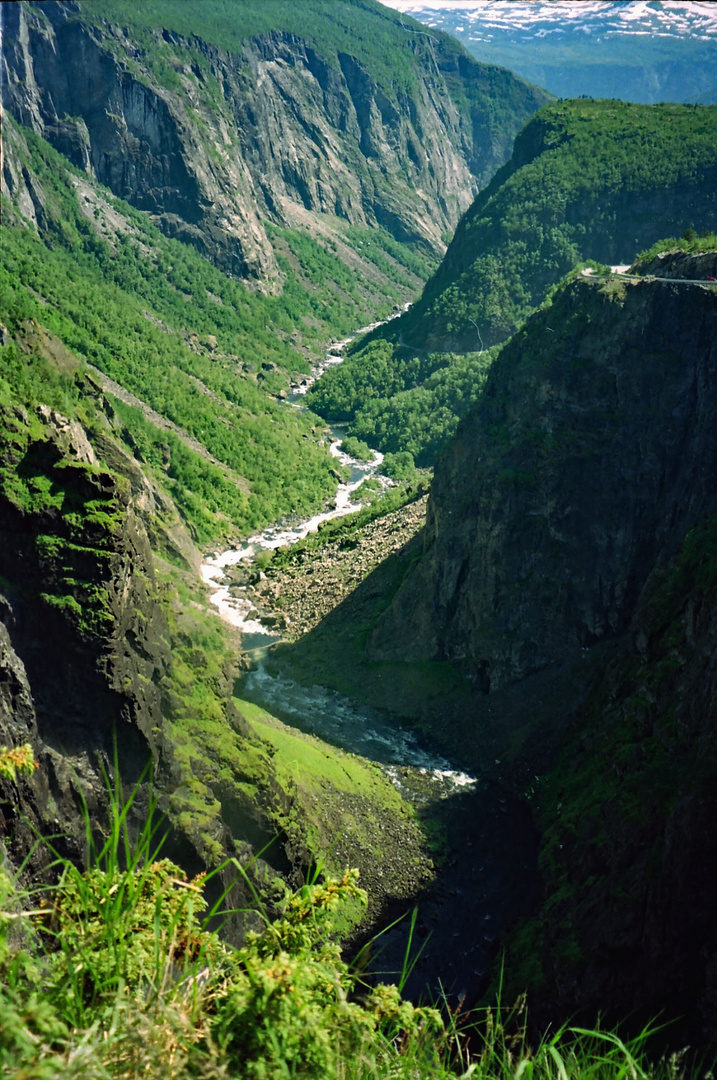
x: 294, y: 595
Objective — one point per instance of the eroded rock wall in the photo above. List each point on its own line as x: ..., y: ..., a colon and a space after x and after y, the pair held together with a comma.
x: 280, y: 131
x: 589, y: 456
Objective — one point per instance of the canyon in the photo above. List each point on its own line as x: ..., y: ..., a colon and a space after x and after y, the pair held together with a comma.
x: 193, y: 216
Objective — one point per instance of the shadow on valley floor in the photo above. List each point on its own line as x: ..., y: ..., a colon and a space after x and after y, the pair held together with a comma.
x: 485, y: 837
x: 508, y: 735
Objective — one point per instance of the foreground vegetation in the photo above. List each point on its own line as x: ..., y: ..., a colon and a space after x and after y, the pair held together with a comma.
x: 118, y: 971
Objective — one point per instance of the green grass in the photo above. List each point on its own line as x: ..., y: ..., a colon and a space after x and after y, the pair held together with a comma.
x: 113, y: 973
x: 337, y: 807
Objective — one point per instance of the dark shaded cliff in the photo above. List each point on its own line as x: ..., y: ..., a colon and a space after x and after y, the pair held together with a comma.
x: 627, y: 924
x: 568, y: 570
x: 216, y: 128
x: 587, y: 459
x: 85, y: 641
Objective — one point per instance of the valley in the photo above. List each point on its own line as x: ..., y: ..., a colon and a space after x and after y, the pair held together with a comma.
x: 357, y: 554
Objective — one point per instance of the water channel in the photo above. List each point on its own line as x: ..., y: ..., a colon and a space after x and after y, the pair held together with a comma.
x: 321, y: 712
x: 489, y: 855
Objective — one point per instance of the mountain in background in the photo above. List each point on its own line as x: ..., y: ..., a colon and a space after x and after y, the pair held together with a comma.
x: 321, y: 160
x: 588, y: 180
x: 635, y: 51
x: 224, y: 119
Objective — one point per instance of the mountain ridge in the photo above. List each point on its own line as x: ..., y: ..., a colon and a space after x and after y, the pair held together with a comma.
x: 212, y: 143
x: 641, y: 52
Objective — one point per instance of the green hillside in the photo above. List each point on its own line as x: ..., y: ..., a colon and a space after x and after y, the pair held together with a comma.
x: 190, y: 343
x: 588, y: 180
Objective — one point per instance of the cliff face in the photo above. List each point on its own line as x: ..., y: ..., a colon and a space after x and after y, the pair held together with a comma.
x: 212, y: 142
x: 84, y: 641
x: 629, y: 852
x: 589, y: 456
x: 569, y: 570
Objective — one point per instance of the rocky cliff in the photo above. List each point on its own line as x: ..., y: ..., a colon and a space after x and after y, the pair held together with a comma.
x: 589, y: 456
x: 214, y: 141
x: 626, y: 926
x: 85, y: 643
x: 568, y: 570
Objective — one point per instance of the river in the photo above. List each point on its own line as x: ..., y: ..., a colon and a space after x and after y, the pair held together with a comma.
x: 236, y: 611
x: 341, y: 722
x: 489, y: 865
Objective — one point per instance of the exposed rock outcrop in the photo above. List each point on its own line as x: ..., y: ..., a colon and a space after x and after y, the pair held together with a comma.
x: 294, y: 597
x: 281, y: 131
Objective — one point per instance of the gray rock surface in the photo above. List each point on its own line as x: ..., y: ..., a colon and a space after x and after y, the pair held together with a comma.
x: 282, y: 133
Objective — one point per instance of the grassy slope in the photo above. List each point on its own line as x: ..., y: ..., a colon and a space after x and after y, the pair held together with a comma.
x: 102, y: 989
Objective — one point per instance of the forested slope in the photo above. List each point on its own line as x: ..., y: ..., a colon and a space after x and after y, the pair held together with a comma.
x: 588, y: 181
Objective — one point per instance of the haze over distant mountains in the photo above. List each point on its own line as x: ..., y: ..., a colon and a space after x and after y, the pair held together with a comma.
x: 630, y: 49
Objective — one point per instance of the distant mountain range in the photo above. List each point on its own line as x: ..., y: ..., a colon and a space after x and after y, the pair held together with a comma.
x: 628, y: 49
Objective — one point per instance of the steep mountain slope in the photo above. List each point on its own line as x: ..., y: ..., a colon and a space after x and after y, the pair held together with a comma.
x: 108, y: 652
x: 185, y: 347
x: 217, y: 118
x: 587, y: 180
x: 588, y: 457
x: 567, y: 572
x: 629, y: 854
x: 633, y: 51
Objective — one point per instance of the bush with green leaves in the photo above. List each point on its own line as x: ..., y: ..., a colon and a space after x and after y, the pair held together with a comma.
x: 289, y: 1010
x: 119, y: 957
x: 356, y: 449
x: 399, y: 466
